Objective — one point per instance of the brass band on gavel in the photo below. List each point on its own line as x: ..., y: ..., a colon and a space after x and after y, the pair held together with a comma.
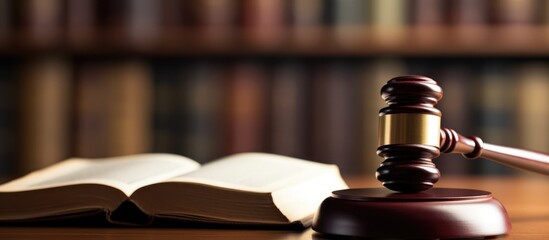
x: 409, y: 128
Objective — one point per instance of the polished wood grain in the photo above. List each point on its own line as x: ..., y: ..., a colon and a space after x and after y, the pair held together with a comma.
x: 525, y: 198
x: 473, y: 147
x: 408, y: 165
x: 437, y: 213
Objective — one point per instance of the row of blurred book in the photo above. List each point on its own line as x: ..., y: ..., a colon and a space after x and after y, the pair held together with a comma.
x: 318, y: 109
x: 46, y: 22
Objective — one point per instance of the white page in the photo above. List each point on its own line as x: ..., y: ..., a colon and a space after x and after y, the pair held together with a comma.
x: 127, y: 173
x: 256, y: 172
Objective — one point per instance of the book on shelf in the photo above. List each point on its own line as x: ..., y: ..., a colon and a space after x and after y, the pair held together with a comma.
x: 143, y: 21
x: 142, y: 24
x: 469, y: 20
x: 113, y: 108
x: 306, y: 19
x: 7, y: 121
x: 389, y: 19
x: 44, y: 116
x: 335, y: 111
x: 349, y: 19
x: 427, y: 13
x: 245, y: 189
x: 468, y: 13
x: 6, y: 20
x: 90, y: 111
x: 427, y: 18
x: 532, y: 113
x: 263, y: 22
x: 216, y: 20
x: 200, y: 97
x: 544, y: 18
x: 289, y: 103
x: 518, y: 17
x: 495, y: 96
x: 128, y: 88
x: 166, y: 114
x: 515, y: 12
x: 41, y: 21
x: 173, y: 18
x: 112, y: 21
x: 246, y: 97
x: 80, y: 22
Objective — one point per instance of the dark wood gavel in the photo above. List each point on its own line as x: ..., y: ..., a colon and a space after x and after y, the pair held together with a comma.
x: 410, y: 136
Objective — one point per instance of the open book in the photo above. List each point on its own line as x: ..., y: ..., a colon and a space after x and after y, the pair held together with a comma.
x: 246, y: 188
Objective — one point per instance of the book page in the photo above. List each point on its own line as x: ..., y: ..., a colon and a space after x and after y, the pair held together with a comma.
x: 256, y: 172
x: 126, y: 173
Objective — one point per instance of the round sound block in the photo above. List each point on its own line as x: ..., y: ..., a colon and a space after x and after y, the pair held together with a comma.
x: 435, y: 213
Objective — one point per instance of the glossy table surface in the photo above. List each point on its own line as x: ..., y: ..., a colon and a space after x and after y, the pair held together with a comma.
x: 526, y: 199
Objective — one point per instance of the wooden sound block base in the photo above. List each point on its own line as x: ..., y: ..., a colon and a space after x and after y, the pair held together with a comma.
x: 432, y: 214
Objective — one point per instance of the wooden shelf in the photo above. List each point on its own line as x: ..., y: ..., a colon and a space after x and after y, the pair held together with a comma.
x: 329, y: 42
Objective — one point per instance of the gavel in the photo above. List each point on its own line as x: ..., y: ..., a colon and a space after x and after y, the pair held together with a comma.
x: 410, y: 136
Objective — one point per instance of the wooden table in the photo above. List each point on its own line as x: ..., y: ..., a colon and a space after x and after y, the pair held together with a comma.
x: 526, y: 199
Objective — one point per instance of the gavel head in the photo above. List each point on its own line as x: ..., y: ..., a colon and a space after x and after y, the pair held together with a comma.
x: 409, y: 134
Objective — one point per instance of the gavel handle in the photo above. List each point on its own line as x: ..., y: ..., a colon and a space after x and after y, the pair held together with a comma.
x: 474, y: 147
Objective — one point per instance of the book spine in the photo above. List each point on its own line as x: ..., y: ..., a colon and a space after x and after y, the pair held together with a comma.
x: 201, y: 95
x: 495, y: 98
x: 427, y: 18
x: 166, y: 115
x: 264, y: 22
x: 217, y: 20
x: 514, y: 12
x: 41, y: 21
x: 468, y: 13
x: 543, y: 13
x: 289, y: 118
x: 7, y: 122
x: 427, y: 13
x: 328, y: 13
x: 306, y: 18
x: 81, y: 21
x: 171, y: 16
x: 90, y: 115
x: 246, y: 113
x: 350, y: 19
x: 44, y: 116
x: 532, y: 115
x: 335, y: 113
x: 389, y: 18
x: 6, y: 21
x: 112, y: 21
x: 129, y: 109
x: 518, y: 19
x: 469, y: 19
x: 144, y: 21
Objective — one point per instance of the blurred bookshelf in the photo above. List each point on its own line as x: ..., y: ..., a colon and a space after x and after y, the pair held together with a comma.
x: 207, y: 78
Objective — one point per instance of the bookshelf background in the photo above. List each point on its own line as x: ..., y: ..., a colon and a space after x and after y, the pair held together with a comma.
x: 206, y: 78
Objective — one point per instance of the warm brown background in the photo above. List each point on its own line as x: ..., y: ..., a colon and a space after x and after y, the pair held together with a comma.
x: 206, y: 78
